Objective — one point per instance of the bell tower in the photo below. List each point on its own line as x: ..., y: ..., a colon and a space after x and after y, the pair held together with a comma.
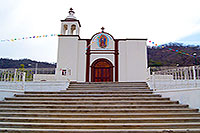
x: 68, y: 48
x: 70, y: 25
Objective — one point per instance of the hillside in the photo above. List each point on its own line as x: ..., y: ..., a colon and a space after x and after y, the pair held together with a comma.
x: 157, y: 56
x: 10, y: 63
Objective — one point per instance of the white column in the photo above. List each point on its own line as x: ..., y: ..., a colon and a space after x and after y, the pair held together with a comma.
x: 36, y: 66
x: 177, y: 74
x: 4, y: 76
x: 197, y: 72
x: 154, y: 82
x: 23, y: 80
x: 185, y: 74
x: 69, y: 29
x: 194, y: 75
x: 62, y: 29
x: 15, y: 75
x: 77, y: 30
x: 190, y: 71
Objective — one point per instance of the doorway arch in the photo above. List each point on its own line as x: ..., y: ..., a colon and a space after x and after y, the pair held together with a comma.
x: 102, y: 71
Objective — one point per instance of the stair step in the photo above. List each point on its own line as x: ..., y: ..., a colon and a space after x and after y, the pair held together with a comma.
x: 97, y: 107
x: 91, y: 102
x: 86, y: 98
x: 99, y: 120
x: 100, y: 125
x: 91, y: 106
x: 110, y: 89
x: 109, y: 86
x: 109, y: 83
x: 98, y: 110
x: 86, y: 95
x: 100, y: 115
x: 93, y: 92
x: 33, y: 130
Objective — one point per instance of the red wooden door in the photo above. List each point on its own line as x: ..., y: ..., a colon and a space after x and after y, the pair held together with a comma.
x: 102, y: 71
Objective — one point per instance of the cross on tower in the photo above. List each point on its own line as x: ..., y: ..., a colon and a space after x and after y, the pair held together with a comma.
x: 71, y: 12
x: 102, y: 29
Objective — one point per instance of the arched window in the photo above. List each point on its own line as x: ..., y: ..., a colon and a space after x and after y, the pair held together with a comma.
x: 65, y: 29
x: 73, y: 29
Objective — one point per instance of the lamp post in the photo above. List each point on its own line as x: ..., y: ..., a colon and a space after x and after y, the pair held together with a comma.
x: 36, y: 66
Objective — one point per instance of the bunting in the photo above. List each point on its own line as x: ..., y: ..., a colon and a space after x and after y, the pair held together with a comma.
x: 30, y: 37
x: 95, y: 39
x: 174, y: 50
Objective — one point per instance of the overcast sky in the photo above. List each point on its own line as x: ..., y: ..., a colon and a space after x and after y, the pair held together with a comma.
x: 160, y: 21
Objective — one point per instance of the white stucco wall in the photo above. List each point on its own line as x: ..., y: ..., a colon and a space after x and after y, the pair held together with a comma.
x: 133, y: 61
x: 72, y: 57
x: 44, y: 77
x: 184, y: 91
x: 68, y: 48
x: 81, y: 59
x: 122, y: 61
x: 8, y: 89
x: 189, y: 96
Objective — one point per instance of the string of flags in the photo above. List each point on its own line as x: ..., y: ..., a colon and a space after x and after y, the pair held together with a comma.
x: 174, y: 50
x: 92, y: 43
x: 51, y: 35
x: 30, y: 37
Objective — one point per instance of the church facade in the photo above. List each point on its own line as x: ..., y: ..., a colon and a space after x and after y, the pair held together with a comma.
x: 101, y: 58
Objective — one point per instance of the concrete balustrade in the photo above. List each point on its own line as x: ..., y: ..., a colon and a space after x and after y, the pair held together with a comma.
x: 180, y: 83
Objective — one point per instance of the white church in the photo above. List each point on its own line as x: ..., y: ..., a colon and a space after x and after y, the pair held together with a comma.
x: 101, y: 58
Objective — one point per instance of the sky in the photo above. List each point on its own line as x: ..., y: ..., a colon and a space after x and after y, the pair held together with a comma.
x: 160, y: 21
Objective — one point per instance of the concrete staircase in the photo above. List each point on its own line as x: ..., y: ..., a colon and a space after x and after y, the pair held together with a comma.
x: 97, y: 107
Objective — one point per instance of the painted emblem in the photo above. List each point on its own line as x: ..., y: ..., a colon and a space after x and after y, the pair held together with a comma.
x: 103, y: 41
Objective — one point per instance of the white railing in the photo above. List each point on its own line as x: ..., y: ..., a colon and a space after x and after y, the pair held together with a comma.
x: 180, y: 83
x: 12, y: 82
x: 17, y: 75
x: 180, y: 77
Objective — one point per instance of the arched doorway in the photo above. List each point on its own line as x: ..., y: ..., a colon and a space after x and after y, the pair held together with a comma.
x: 102, y: 71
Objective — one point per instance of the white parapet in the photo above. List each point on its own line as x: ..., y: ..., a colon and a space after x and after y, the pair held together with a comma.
x: 161, y: 77
x: 44, y: 77
x: 8, y: 89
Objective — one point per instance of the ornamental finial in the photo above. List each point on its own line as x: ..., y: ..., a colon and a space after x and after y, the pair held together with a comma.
x: 102, y: 29
x: 71, y: 12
